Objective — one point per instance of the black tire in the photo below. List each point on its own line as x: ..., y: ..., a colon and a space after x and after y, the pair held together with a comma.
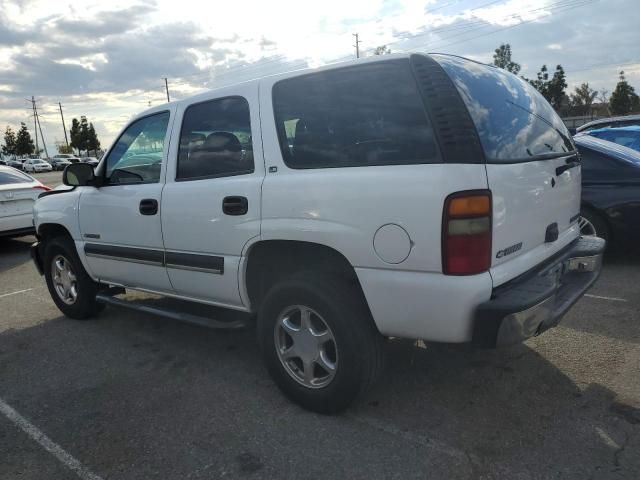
x: 599, y: 224
x: 85, y: 305
x: 358, y: 343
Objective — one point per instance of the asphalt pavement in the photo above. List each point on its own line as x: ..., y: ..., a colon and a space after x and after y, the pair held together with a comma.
x: 133, y: 396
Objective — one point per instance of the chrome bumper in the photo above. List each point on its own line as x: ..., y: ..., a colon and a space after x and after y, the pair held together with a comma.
x: 535, y: 302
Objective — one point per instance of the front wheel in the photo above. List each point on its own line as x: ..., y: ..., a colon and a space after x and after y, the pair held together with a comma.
x: 71, y: 288
x: 318, y: 341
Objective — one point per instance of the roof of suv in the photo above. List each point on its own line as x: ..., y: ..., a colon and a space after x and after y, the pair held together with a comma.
x: 289, y: 74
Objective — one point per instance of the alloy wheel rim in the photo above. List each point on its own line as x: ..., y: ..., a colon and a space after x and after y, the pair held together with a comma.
x: 586, y: 227
x: 64, y: 280
x: 306, y: 346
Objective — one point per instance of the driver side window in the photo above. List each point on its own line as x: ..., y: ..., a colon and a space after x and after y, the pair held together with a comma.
x: 137, y: 155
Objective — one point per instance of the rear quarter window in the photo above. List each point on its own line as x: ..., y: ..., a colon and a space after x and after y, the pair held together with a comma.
x: 514, y: 121
x: 8, y: 177
x: 359, y: 116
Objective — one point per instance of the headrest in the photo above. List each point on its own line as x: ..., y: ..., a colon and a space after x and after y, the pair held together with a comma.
x: 219, y: 141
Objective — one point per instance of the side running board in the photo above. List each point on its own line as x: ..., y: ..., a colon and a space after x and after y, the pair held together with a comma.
x: 109, y: 297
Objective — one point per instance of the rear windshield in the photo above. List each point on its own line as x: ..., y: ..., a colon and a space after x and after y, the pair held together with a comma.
x: 513, y: 119
x: 359, y: 116
x: 8, y: 177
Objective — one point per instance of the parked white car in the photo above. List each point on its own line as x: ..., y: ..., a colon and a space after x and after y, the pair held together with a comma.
x: 413, y: 196
x: 93, y: 161
x: 35, y: 165
x: 18, y: 192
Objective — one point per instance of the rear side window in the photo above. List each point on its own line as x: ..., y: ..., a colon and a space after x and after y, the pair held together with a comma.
x: 215, y: 140
x: 8, y: 177
x: 514, y: 121
x: 353, y: 117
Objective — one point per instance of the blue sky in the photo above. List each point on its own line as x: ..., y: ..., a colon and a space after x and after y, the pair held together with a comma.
x: 107, y: 59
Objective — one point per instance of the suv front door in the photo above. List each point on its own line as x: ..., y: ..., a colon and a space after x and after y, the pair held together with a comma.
x: 120, y: 220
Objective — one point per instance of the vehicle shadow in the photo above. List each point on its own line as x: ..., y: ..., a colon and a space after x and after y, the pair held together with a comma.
x: 124, y: 385
x: 612, y: 305
x: 14, y: 251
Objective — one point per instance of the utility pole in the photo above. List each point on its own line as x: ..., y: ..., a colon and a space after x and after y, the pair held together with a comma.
x: 64, y: 127
x: 35, y: 122
x: 357, y: 45
x: 44, y: 144
x: 166, y: 86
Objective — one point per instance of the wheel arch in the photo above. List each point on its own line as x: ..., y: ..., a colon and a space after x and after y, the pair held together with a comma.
x: 268, y: 261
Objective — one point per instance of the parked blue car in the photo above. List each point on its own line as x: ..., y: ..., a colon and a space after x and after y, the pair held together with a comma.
x: 610, y: 189
x: 625, y: 136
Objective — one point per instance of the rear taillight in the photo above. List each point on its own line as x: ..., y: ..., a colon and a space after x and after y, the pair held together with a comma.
x: 41, y: 187
x: 466, y: 233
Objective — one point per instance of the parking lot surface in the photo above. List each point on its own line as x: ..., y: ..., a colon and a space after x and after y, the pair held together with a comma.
x: 131, y: 396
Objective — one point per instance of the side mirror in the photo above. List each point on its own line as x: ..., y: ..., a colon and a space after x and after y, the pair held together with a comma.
x: 78, y: 175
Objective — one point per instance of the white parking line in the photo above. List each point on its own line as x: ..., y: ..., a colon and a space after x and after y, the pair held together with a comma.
x: 613, y: 299
x: 46, y: 443
x: 15, y: 293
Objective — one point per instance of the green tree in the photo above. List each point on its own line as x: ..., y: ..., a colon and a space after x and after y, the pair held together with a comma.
x: 9, y: 147
x: 74, y: 134
x: 502, y: 59
x: 62, y: 148
x: 624, y: 99
x: 382, y: 50
x: 24, y: 143
x: 84, y: 134
x: 553, y: 89
x: 93, y: 143
x: 583, y: 98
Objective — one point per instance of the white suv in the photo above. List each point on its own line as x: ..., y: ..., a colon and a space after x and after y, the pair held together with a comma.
x: 424, y: 197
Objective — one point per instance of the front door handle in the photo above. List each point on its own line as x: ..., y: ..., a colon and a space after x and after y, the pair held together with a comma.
x: 235, y: 205
x: 148, y: 206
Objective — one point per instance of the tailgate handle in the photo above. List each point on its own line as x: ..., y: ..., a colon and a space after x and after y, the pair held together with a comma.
x: 563, y: 168
x: 552, y: 233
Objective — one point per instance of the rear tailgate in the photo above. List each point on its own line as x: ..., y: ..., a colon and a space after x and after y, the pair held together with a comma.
x: 535, y: 213
x: 531, y: 163
x: 17, y: 200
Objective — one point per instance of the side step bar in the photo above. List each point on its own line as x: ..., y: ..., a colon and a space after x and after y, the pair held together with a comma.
x: 108, y: 297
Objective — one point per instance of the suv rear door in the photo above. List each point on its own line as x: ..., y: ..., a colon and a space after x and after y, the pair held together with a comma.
x: 211, y: 201
x: 532, y: 166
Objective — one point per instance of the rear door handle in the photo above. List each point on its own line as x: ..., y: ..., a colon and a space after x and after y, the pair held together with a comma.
x: 235, y: 205
x: 148, y: 206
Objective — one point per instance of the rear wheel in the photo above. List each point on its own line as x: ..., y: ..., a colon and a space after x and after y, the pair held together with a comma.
x: 71, y: 288
x: 318, y: 341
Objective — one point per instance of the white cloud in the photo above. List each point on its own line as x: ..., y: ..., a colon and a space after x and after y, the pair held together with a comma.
x: 106, y: 59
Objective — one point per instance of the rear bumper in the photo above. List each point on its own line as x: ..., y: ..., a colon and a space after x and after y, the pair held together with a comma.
x: 536, y: 301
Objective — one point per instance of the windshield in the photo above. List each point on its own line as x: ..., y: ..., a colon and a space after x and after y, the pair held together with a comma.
x: 515, y: 122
